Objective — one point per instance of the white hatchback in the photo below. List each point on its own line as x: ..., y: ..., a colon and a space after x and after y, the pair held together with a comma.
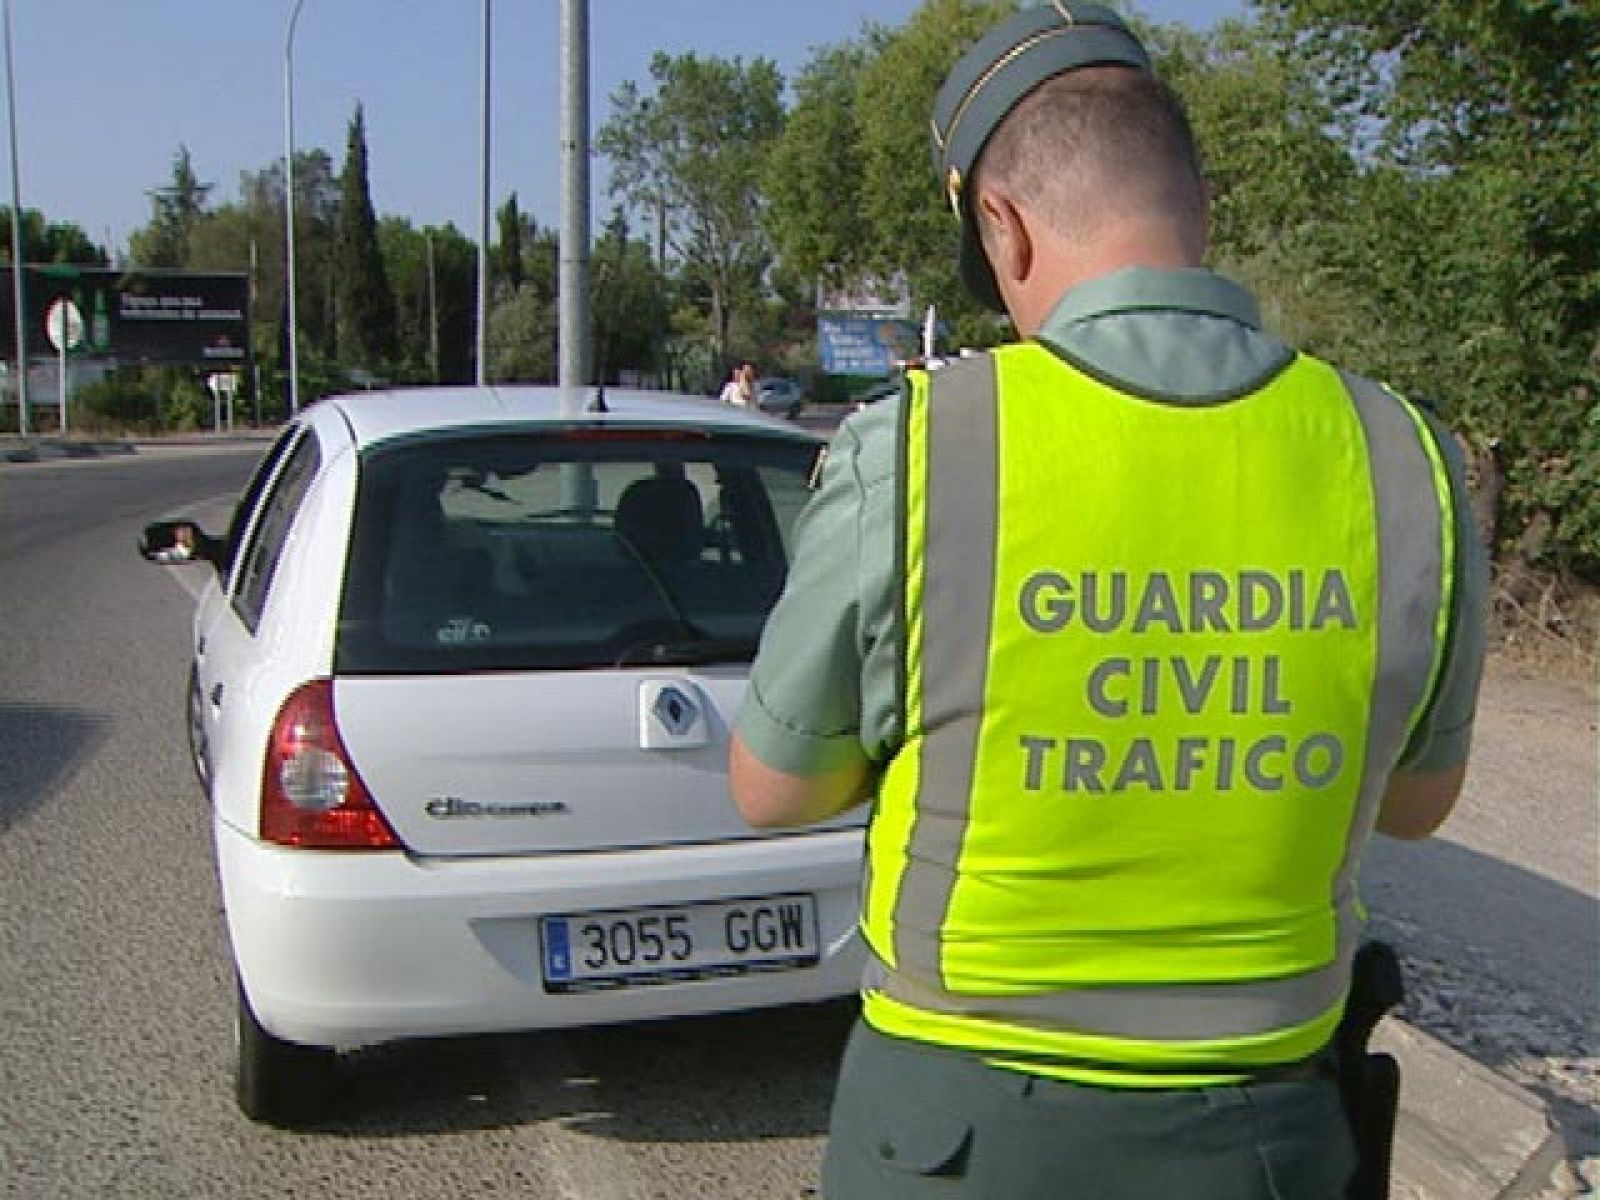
x: 460, y: 699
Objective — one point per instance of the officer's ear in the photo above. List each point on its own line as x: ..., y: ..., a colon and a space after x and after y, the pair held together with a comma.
x: 1005, y: 236
x: 1006, y: 239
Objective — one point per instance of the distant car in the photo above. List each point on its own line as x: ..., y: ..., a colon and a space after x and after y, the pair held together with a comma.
x: 460, y: 698
x: 779, y: 396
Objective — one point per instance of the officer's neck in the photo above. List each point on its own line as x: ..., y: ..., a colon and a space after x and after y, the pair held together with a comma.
x: 1061, y: 264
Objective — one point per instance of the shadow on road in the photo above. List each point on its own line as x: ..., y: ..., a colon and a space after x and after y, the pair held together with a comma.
x: 754, y: 1076
x: 1486, y: 1002
x: 40, y: 747
x: 743, y: 1077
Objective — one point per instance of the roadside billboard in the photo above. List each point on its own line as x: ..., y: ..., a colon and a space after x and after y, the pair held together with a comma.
x: 853, y: 345
x: 156, y: 318
x: 886, y: 299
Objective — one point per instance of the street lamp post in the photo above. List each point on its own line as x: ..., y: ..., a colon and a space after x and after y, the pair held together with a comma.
x: 288, y: 208
x: 482, y: 369
x: 16, y: 237
x: 574, y: 298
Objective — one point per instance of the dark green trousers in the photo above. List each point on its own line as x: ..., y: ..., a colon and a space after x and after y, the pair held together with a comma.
x: 916, y: 1121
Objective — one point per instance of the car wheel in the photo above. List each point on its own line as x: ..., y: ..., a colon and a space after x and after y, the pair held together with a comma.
x: 278, y: 1082
x: 199, y: 750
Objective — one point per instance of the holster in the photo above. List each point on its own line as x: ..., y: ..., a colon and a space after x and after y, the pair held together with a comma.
x: 1369, y: 1084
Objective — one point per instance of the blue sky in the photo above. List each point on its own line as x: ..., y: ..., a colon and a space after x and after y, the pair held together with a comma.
x: 108, y: 89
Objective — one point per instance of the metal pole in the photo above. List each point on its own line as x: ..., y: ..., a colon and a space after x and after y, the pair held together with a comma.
x: 574, y: 281
x: 482, y: 374
x: 288, y: 209
x: 255, y: 300
x: 16, y: 237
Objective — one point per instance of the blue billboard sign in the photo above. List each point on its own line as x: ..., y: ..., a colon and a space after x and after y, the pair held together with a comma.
x: 864, y: 345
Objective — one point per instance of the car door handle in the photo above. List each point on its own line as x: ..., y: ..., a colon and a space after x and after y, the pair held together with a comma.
x: 216, y: 695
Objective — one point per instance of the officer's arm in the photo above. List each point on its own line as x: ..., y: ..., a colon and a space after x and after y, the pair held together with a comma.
x: 1417, y: 802
x: 1424, y: 788
x: 769, y: 798
x: 796, y: 755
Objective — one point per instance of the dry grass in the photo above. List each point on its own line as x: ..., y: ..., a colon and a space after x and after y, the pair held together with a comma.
x: 1545, y: 622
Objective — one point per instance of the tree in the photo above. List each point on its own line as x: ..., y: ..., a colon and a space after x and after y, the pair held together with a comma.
x: 521, y: 338
x: 221, y: 240
x: 508, y: 251
x: 912, y: 226
x: 541, y: 260
x: 1477, y: 128
x: 433, y: 272
x: 630, y: 304
x: 857, y: 197
x: 176, y: 210
x: 1274, y: 169
x: 695, y: 151
x: 49, y: 242
x: 315, y: 206
x: 365, y: 315
x: 813, y: 177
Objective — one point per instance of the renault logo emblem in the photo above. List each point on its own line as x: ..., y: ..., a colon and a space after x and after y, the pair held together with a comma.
x: 675, y: 711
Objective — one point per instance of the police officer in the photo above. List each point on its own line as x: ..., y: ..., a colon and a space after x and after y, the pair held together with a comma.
x: 1132, y: 632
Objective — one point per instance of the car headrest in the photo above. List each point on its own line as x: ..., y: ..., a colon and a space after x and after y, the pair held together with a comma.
x: 661, y: 519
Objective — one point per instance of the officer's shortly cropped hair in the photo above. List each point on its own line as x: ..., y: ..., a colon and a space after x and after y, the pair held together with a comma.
x: 1096, y: 145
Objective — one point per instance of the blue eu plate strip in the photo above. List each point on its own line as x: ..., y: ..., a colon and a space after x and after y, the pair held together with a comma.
x: 557, y: 953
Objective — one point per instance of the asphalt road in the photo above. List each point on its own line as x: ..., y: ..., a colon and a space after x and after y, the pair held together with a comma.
x: 115, y: 989
x: 1497, y: 918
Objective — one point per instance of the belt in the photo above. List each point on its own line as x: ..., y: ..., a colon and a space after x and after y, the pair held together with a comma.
x: 1320, y: 1065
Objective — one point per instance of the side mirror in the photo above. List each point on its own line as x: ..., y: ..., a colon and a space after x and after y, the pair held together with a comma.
x: 175, y: 542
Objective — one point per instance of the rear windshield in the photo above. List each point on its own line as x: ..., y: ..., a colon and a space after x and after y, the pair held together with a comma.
x: 562, y: 551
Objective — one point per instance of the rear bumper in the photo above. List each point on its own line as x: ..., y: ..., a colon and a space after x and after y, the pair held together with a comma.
x: 354, y: 949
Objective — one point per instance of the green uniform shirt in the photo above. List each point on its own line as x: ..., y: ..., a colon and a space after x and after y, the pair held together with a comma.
x: 823, y: 687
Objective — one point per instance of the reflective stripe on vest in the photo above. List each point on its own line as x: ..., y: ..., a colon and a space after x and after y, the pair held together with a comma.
x: 1082, y: 956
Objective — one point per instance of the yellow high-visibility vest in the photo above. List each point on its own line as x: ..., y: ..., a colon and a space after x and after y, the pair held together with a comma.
x: 1158, y: 663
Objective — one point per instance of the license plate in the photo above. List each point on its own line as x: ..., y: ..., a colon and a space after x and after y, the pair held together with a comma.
x: 640, y: 946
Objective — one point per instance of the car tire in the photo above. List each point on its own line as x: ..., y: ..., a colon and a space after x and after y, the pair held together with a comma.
x: 281, y: 1083
x: 199, y: 750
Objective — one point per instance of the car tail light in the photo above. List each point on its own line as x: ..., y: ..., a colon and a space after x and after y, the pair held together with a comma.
x: 311, y: 794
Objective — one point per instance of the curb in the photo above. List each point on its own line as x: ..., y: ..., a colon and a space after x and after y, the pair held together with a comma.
x: 18, y: 450
x: 1464, y: 1132
x: 14, y: 449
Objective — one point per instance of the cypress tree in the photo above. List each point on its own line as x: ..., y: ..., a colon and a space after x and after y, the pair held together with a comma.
x: 365, y: 319
x: 510, y: 247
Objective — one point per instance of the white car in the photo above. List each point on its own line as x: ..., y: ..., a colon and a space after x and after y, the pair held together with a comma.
x: 461, y: 696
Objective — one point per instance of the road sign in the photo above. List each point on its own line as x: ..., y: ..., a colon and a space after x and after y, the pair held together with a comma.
x: 64, y: 325
x: 223, y: 386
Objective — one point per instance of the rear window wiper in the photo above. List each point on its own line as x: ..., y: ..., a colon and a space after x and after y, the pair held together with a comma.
x: 687, y: 652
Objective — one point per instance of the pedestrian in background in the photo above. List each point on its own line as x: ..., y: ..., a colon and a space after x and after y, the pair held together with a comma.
x: 1131, y: 632
x: 741, y: 387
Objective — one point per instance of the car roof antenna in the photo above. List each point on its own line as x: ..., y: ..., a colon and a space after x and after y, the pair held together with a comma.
x: 598, y: 403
